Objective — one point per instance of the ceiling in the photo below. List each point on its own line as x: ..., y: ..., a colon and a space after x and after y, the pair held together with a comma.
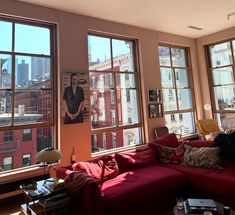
x: 172, y: 16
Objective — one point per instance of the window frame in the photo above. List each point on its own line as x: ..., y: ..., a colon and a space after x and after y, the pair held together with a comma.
x: 136, y: 71
x: 188, y: 68
x: 53, y: 123
x: 210, y: 69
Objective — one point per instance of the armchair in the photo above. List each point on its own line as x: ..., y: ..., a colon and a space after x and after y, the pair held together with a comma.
x: 208, y: 129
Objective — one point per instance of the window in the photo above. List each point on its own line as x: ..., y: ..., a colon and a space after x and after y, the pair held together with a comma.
x: 112, y: 64
x: 176, y: 90
x: 8, y: 136
x: 27, y: 93
x: 27, y: 134
x: 7, y: 163
x: 26, y: 160
x: 221, y: 70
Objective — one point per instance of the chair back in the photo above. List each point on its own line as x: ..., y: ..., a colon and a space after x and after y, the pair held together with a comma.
x: 207, y: 126
x: 161, y: 131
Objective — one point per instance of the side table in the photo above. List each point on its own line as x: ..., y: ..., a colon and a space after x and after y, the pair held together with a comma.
x: 37, y: 192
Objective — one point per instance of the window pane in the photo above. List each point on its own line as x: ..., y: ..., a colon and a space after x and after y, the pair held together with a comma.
x: 5, y: 108
x: 121, y: 138
x: 181, y: 76
x: 26, y: 160
x: 225, y: 97
x: 178, y: 57
x: 7, y: 164
x: 5, y: 71
x: 33, y: 72
x: 32, y: 39
x: 169, y: 99
x: 184, y: 99
x: 167, y: 77
x: 180, y: 123
x: 222, y: 76
x: 125, y: 81
x: 6, y: 36
x: 17, y: 147
x: 164, y: 56
x: 122, y: 55
x: 225, y: 120
x: 33, y: 106
x: 220, y: 55
x: 99, y: 53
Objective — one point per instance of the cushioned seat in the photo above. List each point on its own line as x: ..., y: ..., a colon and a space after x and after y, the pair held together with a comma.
x: 152, y: 180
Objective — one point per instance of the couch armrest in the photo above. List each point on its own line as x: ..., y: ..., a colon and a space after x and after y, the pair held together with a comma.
x: 62, y: 172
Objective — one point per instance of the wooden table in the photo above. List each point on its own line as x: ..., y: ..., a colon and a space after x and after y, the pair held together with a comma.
x: 220, y: 206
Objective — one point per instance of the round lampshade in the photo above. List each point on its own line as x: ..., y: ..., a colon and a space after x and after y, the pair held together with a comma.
x: 48, y: 155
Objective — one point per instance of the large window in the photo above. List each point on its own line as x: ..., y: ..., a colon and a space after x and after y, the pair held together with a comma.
x: 221, y: 71
x: 114, y: 94
x: 176, y: 89
x: 26, y: 90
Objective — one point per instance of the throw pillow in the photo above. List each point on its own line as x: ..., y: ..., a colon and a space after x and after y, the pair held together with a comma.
x: 169, y: 140
x: 134, y: 159
x: 101, y: 169
x: 207, y: 157
x: 169, y: 154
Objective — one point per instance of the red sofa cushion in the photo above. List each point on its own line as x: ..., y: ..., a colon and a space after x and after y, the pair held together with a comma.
x: 169, y: 140
x: 200, y: 143
x: 133, y: 187
x: 100, y: 169
x: 133, y: 159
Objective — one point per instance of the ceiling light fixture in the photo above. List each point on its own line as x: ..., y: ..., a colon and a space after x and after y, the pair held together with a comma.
x: 195, y: 28
x: 230, y: 14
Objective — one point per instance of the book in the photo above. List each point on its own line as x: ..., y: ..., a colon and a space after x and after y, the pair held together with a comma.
x: 198, y: 206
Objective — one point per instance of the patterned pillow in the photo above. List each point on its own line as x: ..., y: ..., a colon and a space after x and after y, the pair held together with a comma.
x: 170, y: 155
x: 207, y: 157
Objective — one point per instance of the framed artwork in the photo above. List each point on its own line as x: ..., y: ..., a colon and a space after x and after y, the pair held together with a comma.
x: 155, y: 110
x: 154, y: 95
x: 75, y: 97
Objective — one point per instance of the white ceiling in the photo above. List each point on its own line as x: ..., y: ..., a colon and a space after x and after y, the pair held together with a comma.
x: 172, y: 16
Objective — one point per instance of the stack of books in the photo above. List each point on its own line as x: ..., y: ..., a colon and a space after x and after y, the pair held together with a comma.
x: 199, y: 206
x: 56, y: 195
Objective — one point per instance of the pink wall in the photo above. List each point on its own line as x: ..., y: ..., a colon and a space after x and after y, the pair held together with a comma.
x: 72, y: 56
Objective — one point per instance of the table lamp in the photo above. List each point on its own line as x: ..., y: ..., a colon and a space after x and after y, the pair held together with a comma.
x: 46, y: 157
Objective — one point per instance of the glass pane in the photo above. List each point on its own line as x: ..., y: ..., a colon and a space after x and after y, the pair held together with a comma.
x: 164, y: 56
x: 180, y: 123
x: 103, y: 109
x: 169, y: 99
x: 224, y: 98
x: 113, y: 140
x: 184, y: 99
x: 99, y: 53
x: 222, y: 76
x: 101, y: 81
x: 5, y: 71
x: 17, y: 148
x: 220, y: 54
x: 181, y: 76
x: 125, y: 81
x: 32, y: 39
x: 128, y: 107
x: 122, y: 55
x: 33, y: 106
x: 6, y: 36
x: 33, y: 72
x: 226, y: 120
x: 5, y: 108
x: 178, y: 57
x: 167, y: 77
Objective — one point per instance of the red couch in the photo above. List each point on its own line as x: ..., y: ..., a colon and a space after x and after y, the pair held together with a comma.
x: 135, y: 182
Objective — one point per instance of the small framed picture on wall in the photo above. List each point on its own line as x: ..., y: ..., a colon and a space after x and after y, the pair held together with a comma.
x: 154, y: 95
x: 155, y: 110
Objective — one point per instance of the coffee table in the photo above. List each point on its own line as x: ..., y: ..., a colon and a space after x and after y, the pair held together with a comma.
x: 220, y: 206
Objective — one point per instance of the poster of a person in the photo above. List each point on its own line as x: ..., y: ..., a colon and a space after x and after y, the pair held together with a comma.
x: 74, y: 97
